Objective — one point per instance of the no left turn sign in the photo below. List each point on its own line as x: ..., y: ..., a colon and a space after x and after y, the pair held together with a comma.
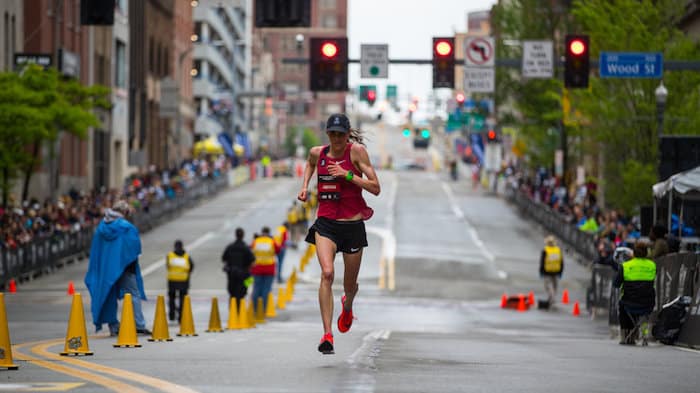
x: 479, y: 52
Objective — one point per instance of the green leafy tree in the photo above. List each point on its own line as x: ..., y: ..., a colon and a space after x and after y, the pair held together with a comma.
x: 35, y: 106
x: 309, y: 139
x: 621, y: 113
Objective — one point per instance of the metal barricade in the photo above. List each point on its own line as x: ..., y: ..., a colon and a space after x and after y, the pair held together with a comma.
x: 42, y: 255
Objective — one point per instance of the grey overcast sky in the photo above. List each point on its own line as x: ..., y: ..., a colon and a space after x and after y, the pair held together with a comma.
x: 407, y: 26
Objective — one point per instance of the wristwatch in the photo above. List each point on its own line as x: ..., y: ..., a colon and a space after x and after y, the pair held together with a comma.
x: 349, y: 176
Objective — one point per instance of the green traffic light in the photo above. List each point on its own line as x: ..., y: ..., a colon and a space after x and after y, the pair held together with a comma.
x: 406, y: 132
x: 425, y: 134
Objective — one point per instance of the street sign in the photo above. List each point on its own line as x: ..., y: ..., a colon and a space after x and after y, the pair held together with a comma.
x: 631, y: 65
x: 479, y: 80
x: 479, y: 52
x: 538, y: 59
x: 374, y: 61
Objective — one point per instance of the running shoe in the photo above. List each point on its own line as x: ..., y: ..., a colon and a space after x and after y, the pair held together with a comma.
x: 345, y: 318
x: 326, y: 345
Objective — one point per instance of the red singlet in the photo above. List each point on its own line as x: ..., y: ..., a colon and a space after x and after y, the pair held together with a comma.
x: 337, y: 197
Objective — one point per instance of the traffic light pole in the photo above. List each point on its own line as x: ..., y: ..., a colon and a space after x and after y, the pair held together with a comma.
x: 669, y: 65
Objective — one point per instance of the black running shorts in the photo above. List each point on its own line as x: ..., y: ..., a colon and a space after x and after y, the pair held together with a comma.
x: 349, y: 236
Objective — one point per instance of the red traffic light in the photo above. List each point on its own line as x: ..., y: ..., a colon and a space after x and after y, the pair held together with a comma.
x: 443, y: 47
x: 460, y: 98
x: 491, y: 135
x: 329, y: 49
x: 371, y: 95
x: 577, y: 47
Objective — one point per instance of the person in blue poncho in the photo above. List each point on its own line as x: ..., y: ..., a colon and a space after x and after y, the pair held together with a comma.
x: 114, y: 269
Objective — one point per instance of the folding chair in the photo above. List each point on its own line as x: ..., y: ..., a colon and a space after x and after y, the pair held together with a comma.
x: 640, y: 320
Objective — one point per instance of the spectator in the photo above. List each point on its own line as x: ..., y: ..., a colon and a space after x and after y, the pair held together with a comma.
x: 659, y: 246
x: 114, y: 269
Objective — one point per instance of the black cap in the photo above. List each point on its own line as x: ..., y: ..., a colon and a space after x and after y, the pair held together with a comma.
x: 338, y: 122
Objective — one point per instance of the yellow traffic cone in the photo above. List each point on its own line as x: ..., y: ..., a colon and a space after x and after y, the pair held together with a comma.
x: 243, y: 320
x: 5, y: 345
x: 251, y: 314
x: 289, y: 293
x: 233, y: 320
x: 260, y: 311
x: 186, y: 320
x: 214, y: 318
x: 76, y: 335
x: 281, y: 304
x: 302, y: 264
x: 293, y: 277
x: 127, y: 328
x: 160, y: 324
x: 270, y: 311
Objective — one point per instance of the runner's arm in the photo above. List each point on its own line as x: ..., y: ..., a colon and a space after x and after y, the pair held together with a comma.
x: 360, y: 159
x: 309, y: 171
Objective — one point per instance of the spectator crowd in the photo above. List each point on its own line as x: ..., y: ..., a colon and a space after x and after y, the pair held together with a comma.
x: 23, y: 221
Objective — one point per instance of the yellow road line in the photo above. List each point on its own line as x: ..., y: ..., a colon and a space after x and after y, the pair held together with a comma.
x: 165, y: 386
x: 109, y: 383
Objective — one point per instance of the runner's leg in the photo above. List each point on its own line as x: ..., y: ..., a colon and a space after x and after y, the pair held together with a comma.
x: 325, y: 251
x: 352, y: 270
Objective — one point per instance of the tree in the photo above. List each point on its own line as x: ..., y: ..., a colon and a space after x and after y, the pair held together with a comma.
x: 35, y: 106
x: 621, y: 113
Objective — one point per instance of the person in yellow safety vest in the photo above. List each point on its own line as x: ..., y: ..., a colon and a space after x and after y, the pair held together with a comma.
x: 281, y: 238
x: 265, y: 250
x: 551, y: 267
x: 180, y: 266
x: 637, y: 295
x: 293, y: 220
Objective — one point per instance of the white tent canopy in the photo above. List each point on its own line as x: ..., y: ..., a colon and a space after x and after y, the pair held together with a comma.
x: 680, y: 183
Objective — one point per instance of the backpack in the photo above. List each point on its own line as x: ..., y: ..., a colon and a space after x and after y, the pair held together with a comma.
x: 669, y: 321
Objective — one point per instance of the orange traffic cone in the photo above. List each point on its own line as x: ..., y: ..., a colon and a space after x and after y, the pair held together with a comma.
x: 504, y: 300
x: 160, y: 324
x: 576, y: 311
x: 76, y: 336
x: 565, y: 296
x: 531, y: 299
x: 521, y: 303
x: 5, y: 345
x: 13, y: 286
x: 127, y: 328
x: 71, y: 288
x: 259, y: 311
x: 214, y: 318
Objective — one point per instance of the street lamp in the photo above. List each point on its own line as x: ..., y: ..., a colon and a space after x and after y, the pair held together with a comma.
x: 661, y: 94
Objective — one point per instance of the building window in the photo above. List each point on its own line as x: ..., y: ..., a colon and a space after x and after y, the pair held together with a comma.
x: 328, y: 4
x: 120, y: 66
x: 329, y: 21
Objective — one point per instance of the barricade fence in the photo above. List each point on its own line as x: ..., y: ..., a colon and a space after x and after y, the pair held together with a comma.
x: 583, y: 243
x: 676, y: 274
x: 43, y: 255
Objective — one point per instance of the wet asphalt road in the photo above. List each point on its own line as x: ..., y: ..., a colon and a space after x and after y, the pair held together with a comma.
x: 455, y: 251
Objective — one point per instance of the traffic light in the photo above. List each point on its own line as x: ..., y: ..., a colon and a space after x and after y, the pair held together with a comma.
x: 443, y: 62
x: 406, y: 132
x: 97, y: 12
x: 460, y: 99
x: 371, y: 96
x: 491, y: 136
x: 282, y: 13
x: 577, y: 61
x: 425, y: 133
x: 328, y: 70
